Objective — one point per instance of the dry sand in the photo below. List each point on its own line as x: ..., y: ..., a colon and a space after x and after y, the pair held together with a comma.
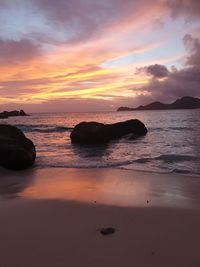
x: 52, y: 217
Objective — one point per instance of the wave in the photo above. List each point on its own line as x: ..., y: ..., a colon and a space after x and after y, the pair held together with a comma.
x: 168, y: 158
x: 176, y: 158
x: 41, y: 128
x: 171, y: 129
x: 106, y: 164
x: 181, y: 128
x: 84, y: 164
x: 122, y: 166
x: 180, y: 171
x: 167, y: 163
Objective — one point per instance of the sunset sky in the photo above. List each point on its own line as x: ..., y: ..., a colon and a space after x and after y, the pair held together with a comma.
x: 92, y: 55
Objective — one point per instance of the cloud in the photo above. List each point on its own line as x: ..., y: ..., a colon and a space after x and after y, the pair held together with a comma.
x: 193, y: 45
x: 82, y: 82
x: 83, y: 20
x: 12, y: 52
x: 190, y: 9
x: 177, y: 83
x: 78, y: 20
x: 156, y: 71
x: 3, y: 4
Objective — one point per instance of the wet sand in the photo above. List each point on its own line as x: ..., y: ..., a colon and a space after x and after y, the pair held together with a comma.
x: 52, y: 217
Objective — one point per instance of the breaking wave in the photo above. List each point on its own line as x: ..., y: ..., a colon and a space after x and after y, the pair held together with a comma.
x: 43, y: 128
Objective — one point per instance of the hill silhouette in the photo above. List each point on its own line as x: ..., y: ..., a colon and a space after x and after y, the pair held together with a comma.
x: 186, y: 102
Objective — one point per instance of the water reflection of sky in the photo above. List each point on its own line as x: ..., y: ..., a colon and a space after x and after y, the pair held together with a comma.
x: 102, y: 186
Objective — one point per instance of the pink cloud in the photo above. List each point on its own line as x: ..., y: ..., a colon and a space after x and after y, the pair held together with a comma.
x: 12, y: 52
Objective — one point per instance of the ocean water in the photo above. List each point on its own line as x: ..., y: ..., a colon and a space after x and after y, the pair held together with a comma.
x: 171, y: 145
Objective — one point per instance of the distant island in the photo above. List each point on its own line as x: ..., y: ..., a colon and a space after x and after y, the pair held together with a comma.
x: 14, y: 113
x: 186, y: 102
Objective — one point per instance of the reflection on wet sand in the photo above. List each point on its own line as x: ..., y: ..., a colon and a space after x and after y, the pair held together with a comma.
x: 104, y: 186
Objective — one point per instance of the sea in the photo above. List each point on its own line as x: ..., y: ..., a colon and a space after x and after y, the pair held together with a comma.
x: 172, y: 144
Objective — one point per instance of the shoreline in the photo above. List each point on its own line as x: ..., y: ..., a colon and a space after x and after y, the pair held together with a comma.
x: 108, y: 186
x: 176, y: 173
x: 53, y: 217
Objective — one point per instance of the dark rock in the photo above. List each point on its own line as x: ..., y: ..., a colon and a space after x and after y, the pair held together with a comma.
x: 107, y: 231
x: 3, y: 115
x: 96, y: 133
x: 16, y: 151
x: 124, y: 109
x: 14, y: 113
x: 22, y: 113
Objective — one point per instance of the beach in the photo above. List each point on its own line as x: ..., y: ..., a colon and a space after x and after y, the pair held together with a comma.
x: 53, y: 216
x: 99, y: 133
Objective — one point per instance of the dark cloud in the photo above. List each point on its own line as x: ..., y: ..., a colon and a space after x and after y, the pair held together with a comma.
x: 15, y: 51
x: 82, y: 19
x: 76, y: 20
x: 193, y: 45
x: 190, y: 9
x: 156, y: 70
x: 177, y: 83
x: 87, y: 11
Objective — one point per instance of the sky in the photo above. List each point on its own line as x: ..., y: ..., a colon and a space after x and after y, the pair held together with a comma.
x: 91, y: 55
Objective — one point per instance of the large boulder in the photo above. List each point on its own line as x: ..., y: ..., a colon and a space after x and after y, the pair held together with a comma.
x: 97, y: 133
x: 16, y: 151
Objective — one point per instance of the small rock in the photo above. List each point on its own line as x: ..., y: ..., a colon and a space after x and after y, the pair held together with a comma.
x: 107, y: 231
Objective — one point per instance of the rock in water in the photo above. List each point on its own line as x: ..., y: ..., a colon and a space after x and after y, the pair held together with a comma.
x: 16, y: 151
x: 14, y: 113
x: 97, y: 133
x: 3, y: 115
x: 22, y: 113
